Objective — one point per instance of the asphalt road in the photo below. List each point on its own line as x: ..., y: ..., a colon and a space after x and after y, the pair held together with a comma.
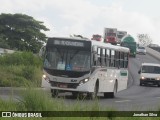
x: 134, y: 98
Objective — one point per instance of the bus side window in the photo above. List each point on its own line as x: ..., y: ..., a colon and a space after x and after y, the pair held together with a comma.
x: 125, y: 60
x: 122, y: 60
x: 103, y: 57
x: 99, y: 55
x: 94, y: 55
x: 108, y: 57
x: 117, y: 59
x: 94, y: 58
x: 112, y: 58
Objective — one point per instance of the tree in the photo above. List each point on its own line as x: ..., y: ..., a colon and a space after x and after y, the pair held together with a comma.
x: 21, y: 32
x: 144, y: 39
x: 3, y: 44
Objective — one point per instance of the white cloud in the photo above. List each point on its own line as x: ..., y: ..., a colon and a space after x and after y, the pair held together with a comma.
x: 65, y: 17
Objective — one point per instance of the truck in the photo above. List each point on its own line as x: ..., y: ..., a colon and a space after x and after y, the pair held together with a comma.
x: 129, y: 42
x: 96, y: 37
x: 110, y: 35
x: 120, y: 35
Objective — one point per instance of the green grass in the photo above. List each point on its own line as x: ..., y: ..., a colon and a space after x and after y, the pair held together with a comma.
x: 20, y: 75
x: 20, y: 58
x: 20, y: 69
x: 23, y: 69
x: 39, y: 100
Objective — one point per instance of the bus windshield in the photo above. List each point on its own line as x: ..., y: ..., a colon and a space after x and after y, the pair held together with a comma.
x: 151, y: 69
x: 67, y: 59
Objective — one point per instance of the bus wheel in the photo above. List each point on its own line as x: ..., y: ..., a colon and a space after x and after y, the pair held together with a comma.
x: 54, y: 93
x: 140, y: 83
x: 93, y: 95
x: 111, y: 94
x: 75, y: 94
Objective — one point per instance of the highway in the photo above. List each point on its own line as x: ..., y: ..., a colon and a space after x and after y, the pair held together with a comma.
x: 139, y: 97
x: 134, y: 98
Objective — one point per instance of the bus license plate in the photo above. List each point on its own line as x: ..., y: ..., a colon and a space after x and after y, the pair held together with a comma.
x: 63, y: 85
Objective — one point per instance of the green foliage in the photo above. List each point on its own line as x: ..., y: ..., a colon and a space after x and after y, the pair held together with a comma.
x: 22, y: 32
x: 20, y: 58
x: 144, y: 39
x: 38, y: 100
x: 3, y: 44
x: 20, y: 69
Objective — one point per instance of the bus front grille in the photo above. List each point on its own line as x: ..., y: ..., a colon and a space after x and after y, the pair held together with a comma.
x: 64, y: 85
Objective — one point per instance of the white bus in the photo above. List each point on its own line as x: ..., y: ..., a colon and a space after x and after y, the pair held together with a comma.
x: 85, y: 66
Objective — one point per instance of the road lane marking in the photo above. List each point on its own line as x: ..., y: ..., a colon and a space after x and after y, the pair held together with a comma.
x: 123, y: 101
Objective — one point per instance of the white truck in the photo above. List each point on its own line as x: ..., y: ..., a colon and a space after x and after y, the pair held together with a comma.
x: 120, y: 35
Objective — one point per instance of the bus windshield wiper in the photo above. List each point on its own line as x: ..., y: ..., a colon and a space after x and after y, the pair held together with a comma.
x: 71, y: 57
x: 61, y: 55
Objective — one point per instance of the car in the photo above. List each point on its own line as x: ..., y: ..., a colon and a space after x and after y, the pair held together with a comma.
x: 150, y: 74
x: 141, y: 50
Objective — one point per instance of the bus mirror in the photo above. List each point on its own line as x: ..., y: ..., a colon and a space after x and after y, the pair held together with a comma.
x: 42, y: 51
x: 139, y: 71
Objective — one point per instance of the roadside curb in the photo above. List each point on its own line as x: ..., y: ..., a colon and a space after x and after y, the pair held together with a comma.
x: 153, y: 53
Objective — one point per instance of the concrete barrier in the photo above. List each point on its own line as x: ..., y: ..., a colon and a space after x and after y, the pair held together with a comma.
x: 153, y: 53
x: 2, y: 51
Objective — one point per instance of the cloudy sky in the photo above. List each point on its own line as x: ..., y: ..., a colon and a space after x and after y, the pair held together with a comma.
x: 87, y: 17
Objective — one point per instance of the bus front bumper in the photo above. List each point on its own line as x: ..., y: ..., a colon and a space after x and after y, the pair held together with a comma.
x: 70, y: 87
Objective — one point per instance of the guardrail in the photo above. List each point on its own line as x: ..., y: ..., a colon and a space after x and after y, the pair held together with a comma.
x: 153, y: 53
x: 155, y: 48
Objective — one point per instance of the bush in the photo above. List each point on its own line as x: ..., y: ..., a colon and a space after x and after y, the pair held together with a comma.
x: 20, y: 69
x: 20, y: 58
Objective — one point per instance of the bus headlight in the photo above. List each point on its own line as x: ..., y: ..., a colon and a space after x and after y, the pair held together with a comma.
x: 86, y: 80
x: 142, y: 78
x: 83, y: 81
x: 46, y: 77
x: 158, y: 78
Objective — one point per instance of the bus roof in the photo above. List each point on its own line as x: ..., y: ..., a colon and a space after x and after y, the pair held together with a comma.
x: 95, y: 43
x: 70, y: 38
x: 150, y: 64
x: 108, y: 45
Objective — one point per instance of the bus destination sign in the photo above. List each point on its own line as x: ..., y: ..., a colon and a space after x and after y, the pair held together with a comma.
x: 68, y: 43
